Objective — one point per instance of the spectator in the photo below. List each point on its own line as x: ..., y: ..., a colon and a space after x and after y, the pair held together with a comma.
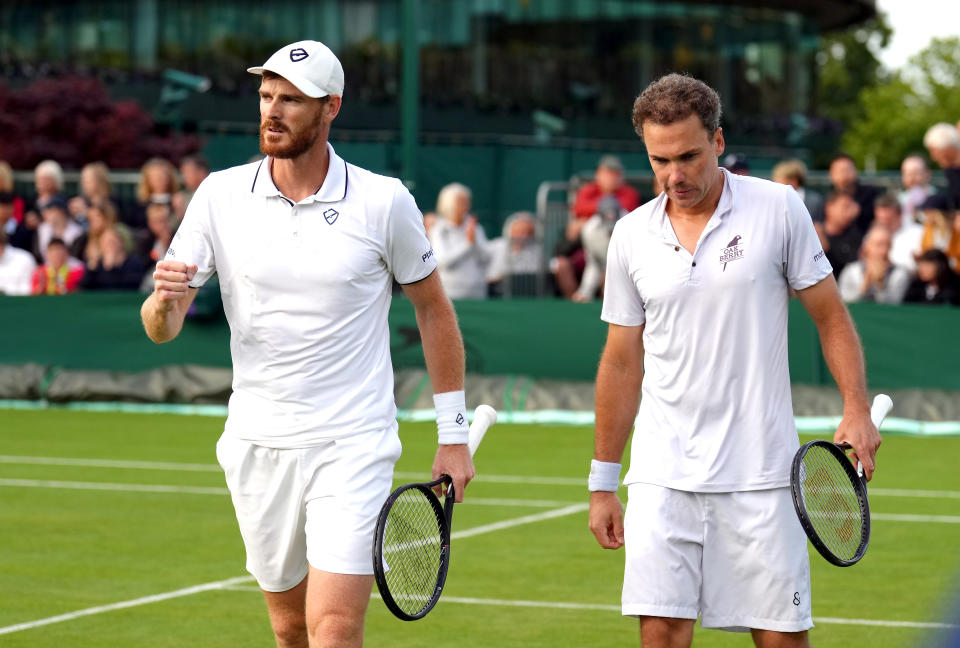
x: 943, y: 142
x: 596, y: 239
x: 61, y: 274
x: 737, y: 163
x: 915, y: 178
x: 7, y: 186
x: 460, y: 245
x: 158, y: 181
x: 846, y: 180
x: 935, y: 282
x: 48, y: 182
x: 102, y: 216
x: 873, y: 277
x: 907, y: 235
x: 569, y: 259
x: 516, y: 257
x: 193, y: 170
x: 94, y: 188
x: 116, y: 270
x: 941, y: 227
x: 840, y: 235
x: 161, y: 225
x: 18, y: 234
x: 794, y: 173
x: 56, y: 224
x: 16, y: 268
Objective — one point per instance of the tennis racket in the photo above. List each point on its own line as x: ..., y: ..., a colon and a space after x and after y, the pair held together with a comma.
x: 411, y: 545
x: 831, y: 496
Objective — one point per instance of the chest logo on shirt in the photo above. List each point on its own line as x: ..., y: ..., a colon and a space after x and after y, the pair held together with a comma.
x: 732, y: 252
x: 331, y: 216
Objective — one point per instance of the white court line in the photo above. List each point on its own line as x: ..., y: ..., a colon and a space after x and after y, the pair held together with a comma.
x: 187, y: 591
x: 502, y: 479
x: 898, y: 517
x: 560, y: 605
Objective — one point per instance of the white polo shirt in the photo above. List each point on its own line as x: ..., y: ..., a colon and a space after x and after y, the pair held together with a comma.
x: 716, y: 413
x: 306, y: 289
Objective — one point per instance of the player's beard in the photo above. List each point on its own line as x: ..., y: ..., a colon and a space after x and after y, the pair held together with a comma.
x: 300, y: 142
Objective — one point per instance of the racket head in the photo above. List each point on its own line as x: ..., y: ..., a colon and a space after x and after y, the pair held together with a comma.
x: 831, y: 502
x: 411, y: 548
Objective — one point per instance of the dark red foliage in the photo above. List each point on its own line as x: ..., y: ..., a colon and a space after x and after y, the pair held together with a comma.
x: 73, y: 120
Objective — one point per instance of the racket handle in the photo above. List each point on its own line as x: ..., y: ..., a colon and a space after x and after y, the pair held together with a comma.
x: 882, y: 404
x: 483, y: 417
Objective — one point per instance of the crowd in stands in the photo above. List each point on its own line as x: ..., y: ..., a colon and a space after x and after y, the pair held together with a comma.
x: 884, y: 247
x: 59, y: 244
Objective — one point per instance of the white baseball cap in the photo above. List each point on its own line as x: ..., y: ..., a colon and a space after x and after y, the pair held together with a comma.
x: 307, y: 64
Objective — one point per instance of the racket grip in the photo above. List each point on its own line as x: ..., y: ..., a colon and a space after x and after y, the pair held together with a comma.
x: 882, y: 404
x: 483, y: 417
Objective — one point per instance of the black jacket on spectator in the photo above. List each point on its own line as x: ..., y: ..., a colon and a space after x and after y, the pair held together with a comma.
x: 917, y: 294
x: 127, y: 277
x: 844, y: 248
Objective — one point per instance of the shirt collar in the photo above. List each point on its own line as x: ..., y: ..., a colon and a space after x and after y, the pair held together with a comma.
x: 334, y: 188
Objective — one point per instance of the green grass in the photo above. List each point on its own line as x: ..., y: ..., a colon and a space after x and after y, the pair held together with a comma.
x: 67, y: 549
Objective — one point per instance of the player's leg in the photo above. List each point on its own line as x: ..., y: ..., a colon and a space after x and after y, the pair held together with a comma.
x: 772, y: 639
x: 662, y: 632
x: 756, y: 567
x: 336, y: 608
x: 663, y: 533
x: 288, y: 616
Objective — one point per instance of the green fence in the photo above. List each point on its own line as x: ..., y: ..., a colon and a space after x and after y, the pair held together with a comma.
x: 906, y: 346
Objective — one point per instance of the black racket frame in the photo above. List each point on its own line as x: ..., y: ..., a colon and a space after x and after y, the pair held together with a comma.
x: 444, y: 515
x: 859, y: 486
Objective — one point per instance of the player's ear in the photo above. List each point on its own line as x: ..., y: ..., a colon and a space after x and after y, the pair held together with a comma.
x: 332, y: 107
x: 718, y: 142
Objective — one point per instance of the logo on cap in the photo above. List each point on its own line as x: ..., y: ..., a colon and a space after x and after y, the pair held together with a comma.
x: 298, y: 54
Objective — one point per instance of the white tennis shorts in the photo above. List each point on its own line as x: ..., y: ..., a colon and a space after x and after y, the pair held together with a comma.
x: 737, y: 560
x: 315, y: 506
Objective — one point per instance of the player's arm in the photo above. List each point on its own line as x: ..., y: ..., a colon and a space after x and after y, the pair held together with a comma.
x: 844, y: 356
x: 619, y: 377
x: 164, y: 310
x: 443, y: 353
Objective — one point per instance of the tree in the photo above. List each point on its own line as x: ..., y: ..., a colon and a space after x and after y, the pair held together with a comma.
x: 897, y: 112
x: 73, y: 120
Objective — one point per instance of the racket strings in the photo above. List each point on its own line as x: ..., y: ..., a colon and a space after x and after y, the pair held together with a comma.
x: 832, y: 505
x: 412, y: 550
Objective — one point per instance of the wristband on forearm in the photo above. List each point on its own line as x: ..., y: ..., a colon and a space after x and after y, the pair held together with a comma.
x: 451, y: 408
x: 604, y: 476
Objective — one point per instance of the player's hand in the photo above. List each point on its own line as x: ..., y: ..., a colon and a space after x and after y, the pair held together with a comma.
x: 606, y: 519
x: 454, y: 460
x: 858, y: 430
x: 171, y: 281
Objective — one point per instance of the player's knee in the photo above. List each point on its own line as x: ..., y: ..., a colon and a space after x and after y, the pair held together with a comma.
x: 337, y: 629
x: 290, y: 631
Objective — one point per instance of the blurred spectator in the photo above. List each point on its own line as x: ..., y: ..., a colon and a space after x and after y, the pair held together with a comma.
x: 943, y: 142
x: 460, y: 245
x: 846, y: 180
x: 941, y: 227
x: 161, y: 225
x: 794, y: 173
x: 56, y: 224
x: 61, y: 274
x: 48, y: 182
x: 18, y: 234
x: 116, y: 270
x: 158, y: 182
x: 94, y: 188
x: 907, y: 235
x: 596, y: 239
x: 915, y: 178
x: 840, y: 235
x: 569, y: 259
x: 193, y: 170
x: 873, y: 277
x: 102, y: 216
x: 737, y: 163
x: 516, y: 257
x: 935, y: 282
x: 16, y: 268
x: 7, y: 186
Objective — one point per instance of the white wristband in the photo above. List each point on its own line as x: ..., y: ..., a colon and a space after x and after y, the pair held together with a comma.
x: 451, y: 410
x: 604, y: 476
